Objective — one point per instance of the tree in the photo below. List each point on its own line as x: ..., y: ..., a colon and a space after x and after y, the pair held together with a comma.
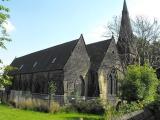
x: 147, y: 31
x: 52, y: 90
x: 113, y: 27
x: 140, y: 83
x: 5, y: 79
x: 3, y: 20
x: 52, y: 87
x: 4, y: 37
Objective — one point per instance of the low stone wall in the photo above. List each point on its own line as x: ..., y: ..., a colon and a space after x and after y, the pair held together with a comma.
x: 20, y: 96
x: 138, y: 115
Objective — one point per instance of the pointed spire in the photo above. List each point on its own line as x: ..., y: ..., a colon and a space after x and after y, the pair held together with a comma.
x: 125, y: 44
x: 81, y: 36
x: 112, y: 36
x: 125, y: 29
x: 125, y: 9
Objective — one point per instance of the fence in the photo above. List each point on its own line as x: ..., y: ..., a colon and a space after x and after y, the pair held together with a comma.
x: 20, y: 96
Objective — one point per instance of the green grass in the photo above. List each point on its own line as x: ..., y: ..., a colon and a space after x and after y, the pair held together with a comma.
x: 9, y: 113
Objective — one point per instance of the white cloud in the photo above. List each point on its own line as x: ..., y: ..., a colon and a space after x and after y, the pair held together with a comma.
x: 8, y: 26
x: 149, y: 8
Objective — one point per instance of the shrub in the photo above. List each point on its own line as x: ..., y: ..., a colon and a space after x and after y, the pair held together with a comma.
x: 37, y: 105
x: 68, y: 108
x: 140, y: 83
x: 131, y: 107
x: 40, y: 105
x: 123, y: 108
x: 110, y: 112
x: 25, y: 104
x: 89, y: 106
x: 54, y: 107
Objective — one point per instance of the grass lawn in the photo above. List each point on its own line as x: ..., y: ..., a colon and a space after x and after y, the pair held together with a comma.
x: 9, y: 113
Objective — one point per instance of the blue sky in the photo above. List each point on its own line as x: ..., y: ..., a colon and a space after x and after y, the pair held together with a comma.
x: 39, y: 24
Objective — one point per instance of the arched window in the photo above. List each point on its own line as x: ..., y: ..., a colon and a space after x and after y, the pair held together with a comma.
x: 82, y: 85
x: 158, y: 73
x: 112, y: 82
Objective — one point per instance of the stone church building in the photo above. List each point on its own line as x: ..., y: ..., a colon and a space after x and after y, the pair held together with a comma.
x: 91, y: 70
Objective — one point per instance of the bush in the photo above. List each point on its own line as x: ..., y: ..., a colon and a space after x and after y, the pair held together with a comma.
x: 110, y: 111
x: 40, y: 105
x: 140, y: 83
x: 27, y: 104
x: 131, y: 107
x: 90, y: 107
x: 68, y: 109
x: 37, y: 105
x: 54, y: 107
x: 123, y: 108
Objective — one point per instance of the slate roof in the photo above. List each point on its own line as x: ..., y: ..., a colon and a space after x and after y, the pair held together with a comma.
x: 45, y: 60
x: 97, y: 52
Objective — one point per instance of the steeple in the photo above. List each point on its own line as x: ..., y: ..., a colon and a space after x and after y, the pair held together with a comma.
x: 125, y: 7
x: 125, y: 44
x: 125, y: 28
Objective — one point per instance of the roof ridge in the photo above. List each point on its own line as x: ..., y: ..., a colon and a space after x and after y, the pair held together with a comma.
x: 100, y: 41
x: 48, y: 48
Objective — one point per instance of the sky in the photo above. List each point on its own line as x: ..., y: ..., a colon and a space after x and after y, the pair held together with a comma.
x: 38, y: 24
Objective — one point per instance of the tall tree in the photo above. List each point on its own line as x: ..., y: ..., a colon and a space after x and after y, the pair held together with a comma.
x: 4, y: 37
x: 147, y: 33
x: 4, y: 15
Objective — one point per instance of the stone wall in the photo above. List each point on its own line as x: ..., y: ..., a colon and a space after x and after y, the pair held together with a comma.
x: 111, y: 61
x: 76, y: 69
x: 138, y: 115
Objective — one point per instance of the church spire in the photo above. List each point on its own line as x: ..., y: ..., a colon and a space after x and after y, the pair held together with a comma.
x: 125, y: 7
x: 125, y: 44
x: 125, y: 28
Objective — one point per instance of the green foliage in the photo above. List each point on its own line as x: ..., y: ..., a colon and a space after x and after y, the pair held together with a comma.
x: 110, y: 112
x: 123, y: 108
x: 52, y: 87
x: 5, y: 79
x: 3, y: 20
x: 140, y: 83
x: 89, y: 106
x: 36, y: 105
x: 131, y: 107
x: 68, y: 109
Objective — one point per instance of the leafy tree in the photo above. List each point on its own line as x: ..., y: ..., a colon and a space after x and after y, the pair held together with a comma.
x: 52, y: 87
x: 52, y: 90
x: 4, y: 37
x: 140, y: 83
x: 5, y: 80
x: 3, y: 20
